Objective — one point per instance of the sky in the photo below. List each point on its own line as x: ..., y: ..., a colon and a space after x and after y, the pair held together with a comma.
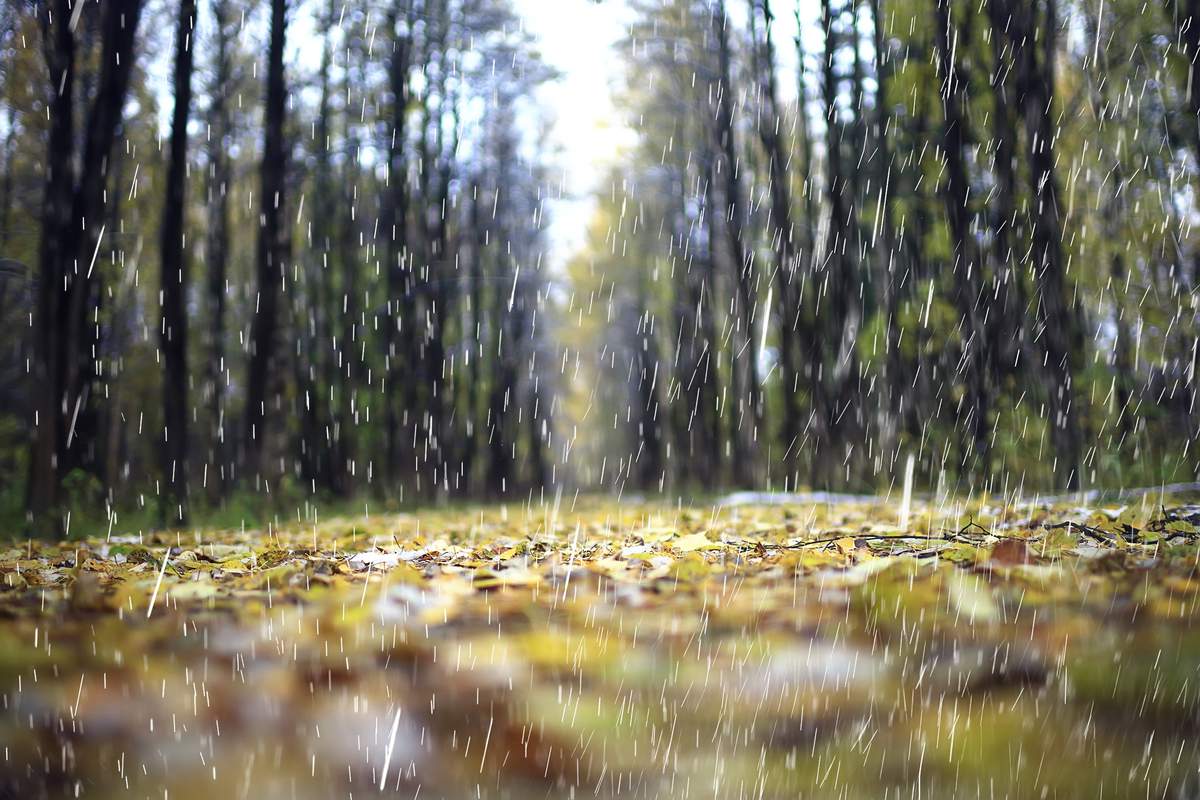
x: 578, y: 38
x: 588, y: 131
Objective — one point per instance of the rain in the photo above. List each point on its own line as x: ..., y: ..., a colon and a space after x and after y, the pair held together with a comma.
x: 514, y: 399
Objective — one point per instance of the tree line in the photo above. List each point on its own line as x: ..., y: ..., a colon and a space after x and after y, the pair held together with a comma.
x: 298, y: 250
x: 965, y: 236
x: 318, y: 274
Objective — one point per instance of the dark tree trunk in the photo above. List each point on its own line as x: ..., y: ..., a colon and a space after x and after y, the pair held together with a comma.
x: 400, y: 324
x: 474, y: 337
x: 217, y: 245
x: 503, y: 318
x: 650, y: 455
x: 1057, y: 314
x: 173, y: 333
x: 1008, y: 327
x: 967, y: 266
x: 47, y: 444
x: 794, y: 338
x: 809, y: 368
x: 353, y: 327
x: 835, y: 324
x: 73, y: 212
x: 889, y: 257
x: 1187, y: 21
x: 440, y: 264
x: 748, y: 416
x: 316, y: 308
x: 271, y: 252
x: 711, y: 407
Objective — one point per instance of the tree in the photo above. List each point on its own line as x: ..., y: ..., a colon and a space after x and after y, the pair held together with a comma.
x: 968, y: 267
x: 272, y: 250
x: 835, y: 305
x: 1057, y: 316
x: 400, y: 324
x: 72, y: 214
x: 749, y: 416
x: 216, y: 246
x: 173, y: 333
x: 794, y: 338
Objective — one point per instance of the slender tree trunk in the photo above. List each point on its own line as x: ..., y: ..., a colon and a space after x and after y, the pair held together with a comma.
x: 440, y: 264
x: 794, y: 338
x: 889, y: 256
x: 833, y: 301
x: 1009, y: 319
x: 1187, y: 21
x: 1057, y: 316
x: 400, y: 324
x: 745, y: 357
x: 650, y: 455
x: 272, y: 249
x: 712, y: 405
x: 967, y: 266
x: 173, y: 333
x: 353, y: 328
x: 474, y: 336
x: 217, y: 245
x: 809, y: 367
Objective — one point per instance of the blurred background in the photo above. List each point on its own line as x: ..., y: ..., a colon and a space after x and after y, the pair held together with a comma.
x: 291, y: 254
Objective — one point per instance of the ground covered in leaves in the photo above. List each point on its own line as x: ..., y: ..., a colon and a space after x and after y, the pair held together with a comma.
x: 803, y: 648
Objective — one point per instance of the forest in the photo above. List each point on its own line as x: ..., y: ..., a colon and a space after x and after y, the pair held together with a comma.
x: 526, y: 399
x: 299, y: 250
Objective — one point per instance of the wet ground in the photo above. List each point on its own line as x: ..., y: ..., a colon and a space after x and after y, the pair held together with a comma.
x: 601, y: 651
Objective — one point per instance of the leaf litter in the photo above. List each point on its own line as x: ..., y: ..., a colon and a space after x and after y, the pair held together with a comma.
x: 638, y: 650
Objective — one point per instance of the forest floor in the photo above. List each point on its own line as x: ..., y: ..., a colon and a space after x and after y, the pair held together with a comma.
x: 633, y: 650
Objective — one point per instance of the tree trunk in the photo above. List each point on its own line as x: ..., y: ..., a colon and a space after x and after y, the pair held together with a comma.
x: 217, y: 245
x: 399, y: 330
x: 835, y: 323
x: 173, y: 332
x: 73, y: 212
x: 745, y: 357
x: 794, y: 338
x: 967, y: 266
x: 890, y: 259
x: 1057, y: 315
x: 1008, y: 318
x: 271, y: 252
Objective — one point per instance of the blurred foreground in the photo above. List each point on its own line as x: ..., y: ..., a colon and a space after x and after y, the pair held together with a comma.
x: 635, y: 651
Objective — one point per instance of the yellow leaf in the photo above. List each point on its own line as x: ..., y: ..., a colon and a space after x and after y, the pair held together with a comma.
x: 695, y: 541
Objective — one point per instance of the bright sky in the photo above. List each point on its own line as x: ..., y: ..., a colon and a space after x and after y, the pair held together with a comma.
x: 578, y: 38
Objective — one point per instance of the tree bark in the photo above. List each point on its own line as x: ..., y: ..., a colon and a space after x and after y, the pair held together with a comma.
x: 794, y: 338
x: 67, y: 341
x: 216, y: 247
x: 967, y: 266
x: 399, y: 331
x: 1057, y: 315
x: 744, y: 357
x: 272, y: 249
x: 173, y: 332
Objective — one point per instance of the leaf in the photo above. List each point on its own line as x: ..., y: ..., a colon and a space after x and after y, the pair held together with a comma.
x: 971, y: 596
x: 1010, y: 552
x: 690, y: 569
x: 487, y: 578
x: 695, y: 541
